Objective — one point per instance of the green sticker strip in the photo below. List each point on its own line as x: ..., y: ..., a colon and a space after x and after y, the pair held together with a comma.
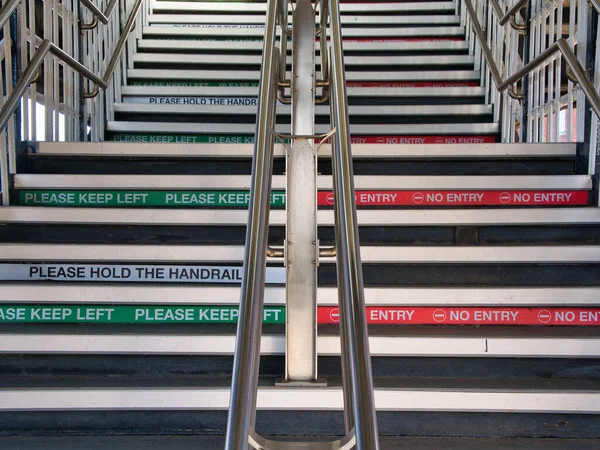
x: 194, y: 83
x: 185, y: 138
x: 130, y: 314
x: 143, y: 198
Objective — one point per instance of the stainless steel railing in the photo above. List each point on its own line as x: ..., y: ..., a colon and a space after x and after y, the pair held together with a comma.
x: 58, y: 51
x: 543, y: 109
x: 244, y: 385
x: 360, y: 419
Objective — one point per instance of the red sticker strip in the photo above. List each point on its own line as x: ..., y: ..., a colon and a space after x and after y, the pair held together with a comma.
x: 377, y: 315
x: 421, y: 140
x: 384, y: 40
x: 410, y: 84
x: 461, y: 198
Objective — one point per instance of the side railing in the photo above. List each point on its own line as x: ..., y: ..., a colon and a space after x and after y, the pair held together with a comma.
x: 62, y: 65
x: 359, y: 408
x: 535, y: 58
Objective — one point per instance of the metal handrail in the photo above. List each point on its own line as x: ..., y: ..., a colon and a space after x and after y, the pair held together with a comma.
x: 103, y: 17
x: 561, y: 45
x: 7, y: 10
x: 98, y: 14
x: 30, y: 73
x: 359, y: 403
x: 503, y: 18
x: 242, y: 404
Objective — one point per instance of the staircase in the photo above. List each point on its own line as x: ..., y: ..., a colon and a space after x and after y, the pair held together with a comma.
x: 120, y: 261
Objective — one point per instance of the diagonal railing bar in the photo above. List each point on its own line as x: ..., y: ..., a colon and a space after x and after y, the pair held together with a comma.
x: 503, y: 18
x: 102, y: 16
x: 31, y: 72
x: 7, y: 10
x: 46, y: 47
x: 561, y: 45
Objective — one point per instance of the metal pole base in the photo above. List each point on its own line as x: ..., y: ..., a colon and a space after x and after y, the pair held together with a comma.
x: 319, y: 382
x: 261, y: 443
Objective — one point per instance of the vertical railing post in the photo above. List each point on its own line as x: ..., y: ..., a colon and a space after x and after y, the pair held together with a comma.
x: 242, y: 404
x: 301, y: 241
x: 353, y: 323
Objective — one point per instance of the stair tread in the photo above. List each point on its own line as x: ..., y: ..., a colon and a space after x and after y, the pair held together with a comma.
x: 153, y: 294
x: 320, y: 110
x: 233, y: 91
x: 216, y: 442
x: 237, y: 75
x: 87, y: 381
x: 484, y: 216
x: 380, y: 182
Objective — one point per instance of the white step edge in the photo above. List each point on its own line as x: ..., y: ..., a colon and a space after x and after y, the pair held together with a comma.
x: 254, y: 75
x: 243, y: 7
x: 123, y: 294
x: 320, y: 110
x: 224, y: 151
x: 436, y: 129
x: 346, y: 19
x: 233, y: 253
x: 258, y: 32
x: 219, y: 217
x: 257, y: 45
x: 193, y: 344
x: 400, y: 182
x: 301, y: 399
x: 235, y: 91
x: 240, y: 60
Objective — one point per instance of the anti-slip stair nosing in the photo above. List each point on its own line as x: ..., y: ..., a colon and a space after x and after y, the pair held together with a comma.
x: 239, y: 60
x: 486, y: 346
x: 346, y: 19
x: 371, y: 151
x: 349, y: 45
x: 437, y: 129
x: 254, y: 75
x: 244, y: 7
x: 320, y: 110
x: 302, y: 399
x: 243, y: 91
x: 582, y: 254
x: 376, y: 182
x: 76, y: 293
x: 221, y: 217
x: 258, y: 32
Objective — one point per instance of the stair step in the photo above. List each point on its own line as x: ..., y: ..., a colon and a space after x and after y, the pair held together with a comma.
x: 252, y: 91
x: 260, y: 7
x: 346, y: 19
x: 248, y: 106
x: 227, y: 151
x: 75, y: 293
x: 253, y: 75
x: 217, y: 442
x: 297, y: 398
x: 257, y: 31
x: 198, y: 182
x: 163, y: 129
x: 350, y: 45
x: 415, y: 341
x: 471, y: 255
x: 349, y: 61
x: 225, y: 217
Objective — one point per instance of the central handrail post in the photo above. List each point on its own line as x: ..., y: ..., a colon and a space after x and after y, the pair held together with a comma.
x: 242, y: 403
x: 301, y: 243
x: 359, y: 397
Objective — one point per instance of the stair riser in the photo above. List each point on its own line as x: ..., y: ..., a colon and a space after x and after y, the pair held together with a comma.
x: 318, y: 422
